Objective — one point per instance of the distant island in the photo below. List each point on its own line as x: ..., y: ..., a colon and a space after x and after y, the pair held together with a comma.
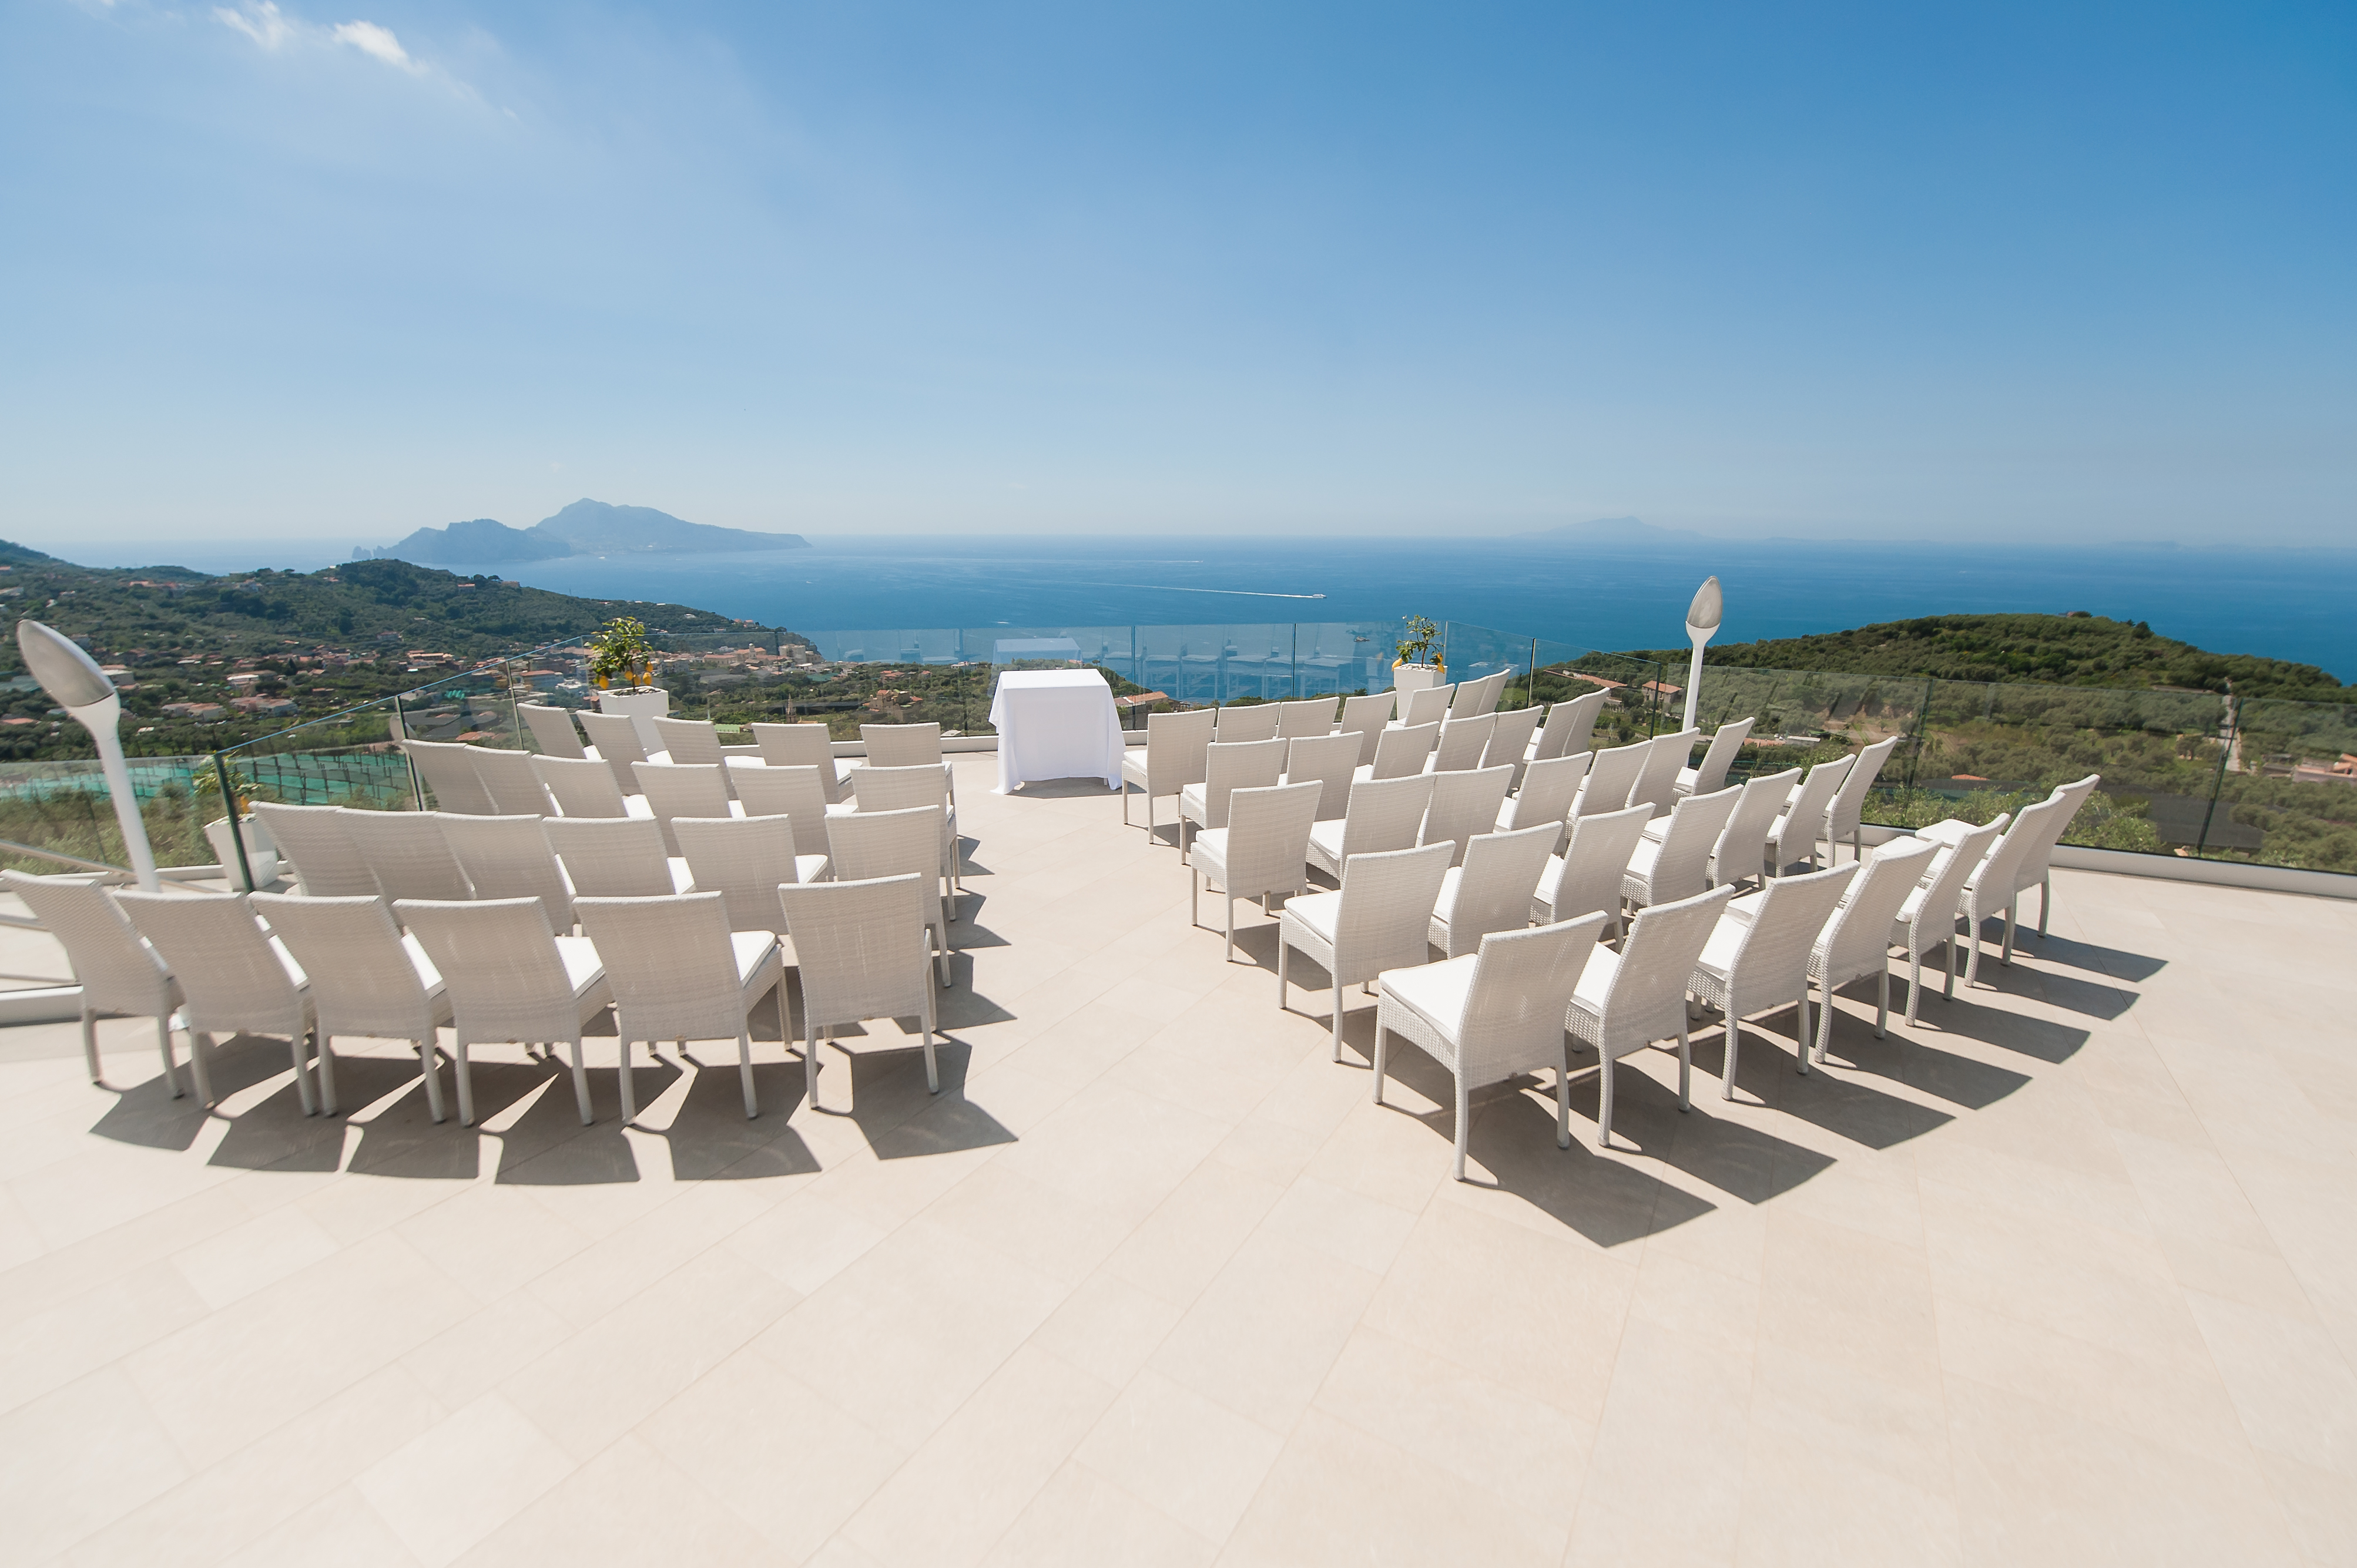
x: 584, y: 528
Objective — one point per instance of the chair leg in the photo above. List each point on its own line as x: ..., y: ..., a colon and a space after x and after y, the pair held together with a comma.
x: 2012, y: 909
x: 1972, y: 946
x: 466, y: 1083
x: 1381, y: 1040
x: 1914, y: 984
x: 1882, y: 1001
x: 1194, y: 894
x: 1464, y: 1120
x: 2045, y: 902
x: 425, y: 1069
x: 1727, y: 1069
x: 1825, y: 1018
x: 580, y: 1082
x: 90, y: 1049
x: 1228, y: 953
x: 164, y: 1045
x: 1282, y: 946
x: 1336, y: 979
x: 630, y: 1094
x: 1950, y: 994
x: 1562, y: 1105
x: 932, y: 1067
x: 745, y: 1072
x: 1685, y: 1067
x: 810, y: 1063
x: 327, y: 1062
x: 1604, y: 1102
x: 294, y: 1044
x: 200, y: 1058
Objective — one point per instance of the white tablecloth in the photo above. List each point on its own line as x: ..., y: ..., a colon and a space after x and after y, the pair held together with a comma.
x: 1055, y: 723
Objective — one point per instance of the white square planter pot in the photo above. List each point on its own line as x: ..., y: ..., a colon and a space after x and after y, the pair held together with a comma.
x: 260, y: 853
x: 1416, y: 677
x: 642, y: 705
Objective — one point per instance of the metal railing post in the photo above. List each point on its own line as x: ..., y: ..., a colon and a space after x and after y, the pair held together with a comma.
x: 236, y: 834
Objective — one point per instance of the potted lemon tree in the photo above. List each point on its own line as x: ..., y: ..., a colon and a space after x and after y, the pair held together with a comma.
x: 1418, y: 665
x: 621, y: 664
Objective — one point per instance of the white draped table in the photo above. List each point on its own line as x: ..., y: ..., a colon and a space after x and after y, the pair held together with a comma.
x: 1055, y: 723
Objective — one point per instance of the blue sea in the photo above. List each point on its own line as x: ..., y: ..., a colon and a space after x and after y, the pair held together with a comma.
x: 2284, y: 604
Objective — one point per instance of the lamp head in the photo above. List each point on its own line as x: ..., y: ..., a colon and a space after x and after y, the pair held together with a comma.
x: 1703, y: 614
x: 68, y: 674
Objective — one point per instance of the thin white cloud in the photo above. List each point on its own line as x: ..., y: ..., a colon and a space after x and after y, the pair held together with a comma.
x: 267, y: 26
x: 371, y: 39
x: 260, y: 20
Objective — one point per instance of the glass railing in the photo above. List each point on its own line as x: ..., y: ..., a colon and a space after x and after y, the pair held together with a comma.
x: 65, y: 809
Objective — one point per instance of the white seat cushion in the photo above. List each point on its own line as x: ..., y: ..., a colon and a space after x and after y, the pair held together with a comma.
x: 1746, y: 907
x: 1446, y: 905
x: 1133, y: 770
x: 1194, y: 802
x: 1718, y: 953
x: 1435, y: 991
x: 810, y: 867
x: 1327, y: 836
x: 1642, y: 858
x: 583, y: 968
x: 1318, y: 911
x: 1951, y: 832
x: 1596, y: 980
x: 1550, y: 878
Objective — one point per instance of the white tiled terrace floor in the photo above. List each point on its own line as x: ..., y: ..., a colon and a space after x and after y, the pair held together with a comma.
x: 2067, y: 1274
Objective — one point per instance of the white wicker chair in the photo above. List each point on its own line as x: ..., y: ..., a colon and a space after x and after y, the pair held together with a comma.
x: 869, y: 846
x: 119, y: 974
x: 1400, y: 750
x: 366, y: 979
x: 2035, y: 865
x: 508, y: 979
x: 1384, y: 814
x: 1929, y: 915
x: 1510, y: 741
x: 1464, y: 804
x: 1305, y: 719
x: 1491, y: 1014
x: 611, y: 857
x: 1657, y: 780
x: 1677, y: 865
x: 509, y: 857
x: 684, y: 790
x: 1262, y: 850
x: 1995, y: 884
x: 1792, y: 837
x: 804, y: 745
x: 1490, y: 890
x: 679, y: 973
x: 1857, y: 941
x: 407, y: 854
x: 581, y: 786
x: 1628, y: 1000
x: 1329, y: 760
x: 1845, y: 814
x: 233, y: 978
x: 905, y: 789
x: 325, y: 862
x: 1585, y: 879
x: 448, y: 771
x: 779, y: 790
x: 1476, y: 698
x: 1174, y: 759
x: 616, y: 739
x: 1742, y: 848
x: 1243, y: 723
x: 1229, y: 765
x: 860, y: 953
x: 1611, y: 775
x: 510, y: 780
x: 1710, y: 777
x: 745, y: 860
x: 689, y: 742
x: 1365, y: 717
x: 1569, y: 726
x: 911, y: 746
x: 1548, y: 788
x: 1428, y: 706
x: 1460, y: 745
x: 552, y: 731
x: 1756, y: 959
x: 1381, y: 919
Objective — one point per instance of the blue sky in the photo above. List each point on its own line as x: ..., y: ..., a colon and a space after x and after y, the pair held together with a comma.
x: 334, y: 269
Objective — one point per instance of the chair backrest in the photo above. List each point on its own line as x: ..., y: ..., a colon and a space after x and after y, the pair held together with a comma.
x: 509, y: 857
x: 407, y: 854
x: 1464, y: 804
x: 1999, y: 875
x: 1330, y: 759
x: 1847, y: 807
x: 511, y: 781
x: 1230, y: 766
x: 898, y: 789
x: 1771, y: 962
x: 860, y: 948
x: 580, y: 787
x: 1549, y: 786
x: 1365, y: 717
x: 1611, y: 775
x: 1523, y: 981
x: 448, y: 771
x: 1175, y: 747
x: 1242, y: 723
x: 231, y: 978
x: 802, y: 746
x: 1742, y: 844
x: 1268, y: 838
x: 1682, y: 865
x: 1428, y: 706
x: 326, y: 864
x: 682, y: 789
x: 552, y: 730
x: 1805, y: 818
x: 903, y: 745
x: 1943, y: 885
x: 1856, y: 940
x: 500, y: 966
x: 1570, y: 725
x: 611, y: 857
x: 1710, y: 774
x: 615, y: 735
x: 1313, y: 717
x: 1400, y: 752
x: 1647, y: 998
x: 742, y: 859
x: 117, y: 971
x: 363, y: 978
x: 1385, y: 814
x: 1657, y: 780
x: 1459, y: 747
x: 1475, y: 698
x: 870, y: 844
x: 1385, y: 918
x: 2070, y: 798
x: 690, y: 740
x: 1493, y: 890
x: 1595, y: 861
x: 669, y: 964
x: 1510, y: 739
x: 779, y: 790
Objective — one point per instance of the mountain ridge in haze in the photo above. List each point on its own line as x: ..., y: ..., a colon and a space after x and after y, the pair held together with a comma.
x: 584, y: 528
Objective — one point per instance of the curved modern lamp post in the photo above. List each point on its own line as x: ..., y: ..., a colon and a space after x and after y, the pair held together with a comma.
x: 76, y: 683
x: 1702, y: 621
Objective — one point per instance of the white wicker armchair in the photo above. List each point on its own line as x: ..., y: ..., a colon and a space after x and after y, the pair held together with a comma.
x: 1261, y: 851
x: 1381, y: 919
x: 1174, y: 759
x: 1569, y: 726
x: 366, y: 979
x: 907, y: 788
x: 683, y: 789
x: 1611, y: 775
x: 1547, y: 788
x: 780, y: 789
x: 1465, y: 804
x: 616, y: 739
x: 1741, y: 851
x: 1995, y: 884
x: 1383, y: 815
x: 509, y: 857
x: 1428, y: 706
x: 1710, y: 775
x: 1246, y: 724
x: 1330, y: 761
x: 1586, y: 878
x: 1792, y: 837
x: 407, y: 854
x: 1400, y: 750
x: 678, y: 972
x: 1929, y: 915
x: 1491, y: 1014
x: 2033, y: 868
x: 1490, y: 889
x: 694, y: 742
x: 508, y: 979
x: 1756, y: 959
x: 1475, y: 698
x: 581, y: 786
x: 612, y: 857
x: 120, y: 974
x: 745, y: 860
x: 1657, y: 779
x: 511, y: 781
x: 1846, y: 812
x: 911, y: 745
x: 1229, y: 765
x: 1628, y: 1000
x: 1365, y: 717
x: 448, y: 771
x: 1857, y: 941
x: 860, y: 953
x: 1510, y: 741
x: 233, y: 978
x: 803, y: 746
x: 1306, y: 719
x: 873, y: 846
x: 552, y: 731
x: 326, y: 864
x: 1461, y: 742
x: 1677, y: 865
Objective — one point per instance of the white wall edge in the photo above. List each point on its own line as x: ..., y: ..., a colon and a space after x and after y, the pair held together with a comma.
x: 2183, y: 868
